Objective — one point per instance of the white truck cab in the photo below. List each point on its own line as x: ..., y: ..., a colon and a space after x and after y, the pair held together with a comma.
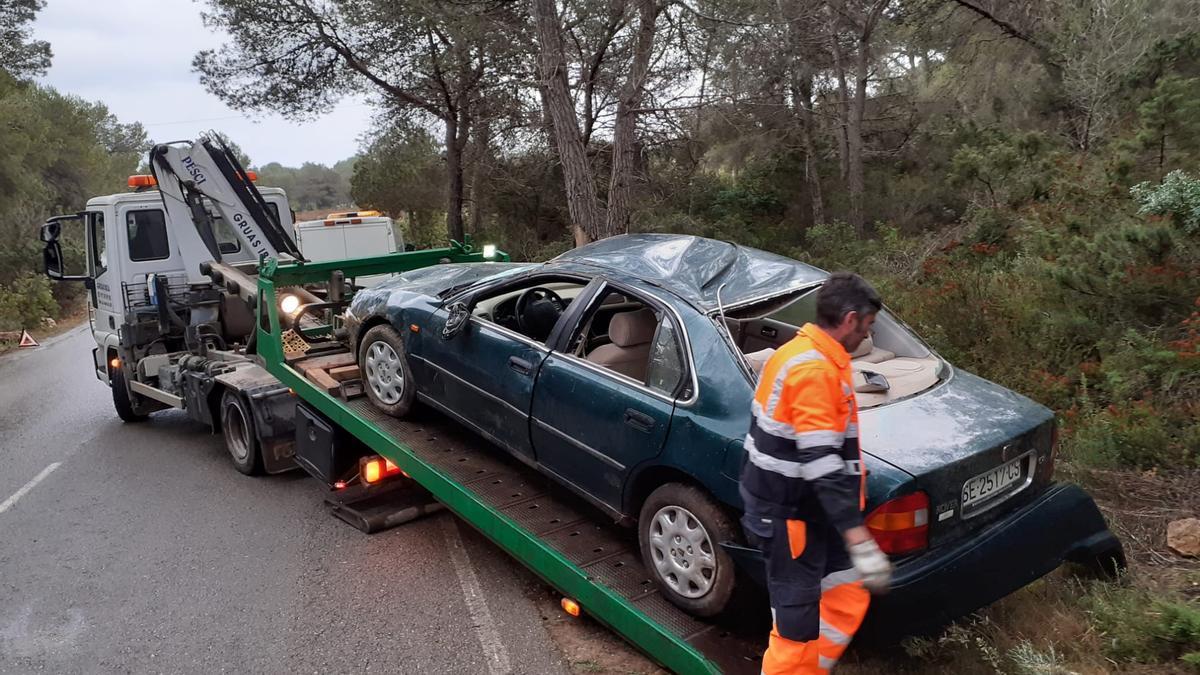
x: 349, y: 234
x: 128, y: 238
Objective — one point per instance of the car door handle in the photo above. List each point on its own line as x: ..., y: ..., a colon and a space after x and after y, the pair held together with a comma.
x: 639, y: 420
x: 520, y: 365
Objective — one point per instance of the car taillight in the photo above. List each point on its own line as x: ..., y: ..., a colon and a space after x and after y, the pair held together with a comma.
x: 1047, y: 469
x: 901, y: 525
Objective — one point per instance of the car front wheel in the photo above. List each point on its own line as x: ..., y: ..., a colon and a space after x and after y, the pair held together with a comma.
x: 385, y: 370
x: 680, y: 529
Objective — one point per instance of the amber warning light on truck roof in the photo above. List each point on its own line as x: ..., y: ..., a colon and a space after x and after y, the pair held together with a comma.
x: 144, y: 180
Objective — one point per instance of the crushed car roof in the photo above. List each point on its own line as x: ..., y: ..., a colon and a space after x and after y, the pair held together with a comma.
x: 694, y: 267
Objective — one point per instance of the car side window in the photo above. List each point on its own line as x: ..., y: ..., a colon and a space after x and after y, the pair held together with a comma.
x: 666, y: 368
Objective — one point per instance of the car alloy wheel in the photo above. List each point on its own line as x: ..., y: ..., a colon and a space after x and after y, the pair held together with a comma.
x: 682, y: 551
x: 384, y: 374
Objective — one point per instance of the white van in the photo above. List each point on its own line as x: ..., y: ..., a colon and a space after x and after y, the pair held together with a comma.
x: 349, y: 234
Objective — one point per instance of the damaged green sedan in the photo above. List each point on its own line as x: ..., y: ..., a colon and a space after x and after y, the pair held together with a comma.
x: 624, y: 369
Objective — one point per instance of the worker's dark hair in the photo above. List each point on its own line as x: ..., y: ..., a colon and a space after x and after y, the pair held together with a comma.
x: 842, y: 293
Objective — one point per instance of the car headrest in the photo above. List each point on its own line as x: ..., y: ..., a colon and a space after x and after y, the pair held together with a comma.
x: 629, y: 329
x: 865, y: 347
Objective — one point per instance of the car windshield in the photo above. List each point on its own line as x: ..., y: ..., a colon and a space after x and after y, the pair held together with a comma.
x: 892, y: 350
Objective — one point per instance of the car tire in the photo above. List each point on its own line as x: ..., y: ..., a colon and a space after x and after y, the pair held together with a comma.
x: 386, y: 376
x: 680, y: 529
x: 241, y: 441
x: 124, y: 400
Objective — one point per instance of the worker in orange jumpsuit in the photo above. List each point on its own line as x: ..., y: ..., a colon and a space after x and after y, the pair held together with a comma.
x: 803, y: 486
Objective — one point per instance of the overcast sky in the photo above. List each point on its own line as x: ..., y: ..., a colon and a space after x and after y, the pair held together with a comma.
x: 135, y: 56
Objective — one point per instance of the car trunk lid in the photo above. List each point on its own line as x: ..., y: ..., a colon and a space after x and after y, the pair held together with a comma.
x: 977, y: 449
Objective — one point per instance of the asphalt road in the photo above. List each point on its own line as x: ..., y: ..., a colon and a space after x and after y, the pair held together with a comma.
x: 141, y: 549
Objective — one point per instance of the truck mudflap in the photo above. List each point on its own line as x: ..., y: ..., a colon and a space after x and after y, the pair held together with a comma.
x: 274, y: 410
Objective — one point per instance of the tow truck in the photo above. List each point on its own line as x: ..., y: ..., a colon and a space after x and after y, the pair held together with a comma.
x: 201, y: 301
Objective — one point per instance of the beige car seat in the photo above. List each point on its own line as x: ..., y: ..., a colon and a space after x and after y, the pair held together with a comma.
x: 629, y: 351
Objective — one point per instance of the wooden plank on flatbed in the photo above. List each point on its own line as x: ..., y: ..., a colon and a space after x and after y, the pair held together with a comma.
x: 325, y: 362
x: 322, y: 379
x: 343, y: 373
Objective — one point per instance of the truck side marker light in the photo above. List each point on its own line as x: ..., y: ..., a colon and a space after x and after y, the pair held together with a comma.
x: 571, y: 607
x: 414, y: 328
x: 115, y: 363
x: 340, y: 485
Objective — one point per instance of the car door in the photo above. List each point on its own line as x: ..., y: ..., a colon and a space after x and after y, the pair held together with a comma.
x: 484, y: 376
x: 590, y: 425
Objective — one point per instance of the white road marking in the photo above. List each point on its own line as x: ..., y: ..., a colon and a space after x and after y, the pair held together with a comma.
x: 8, y: 503
x: 481, y: 617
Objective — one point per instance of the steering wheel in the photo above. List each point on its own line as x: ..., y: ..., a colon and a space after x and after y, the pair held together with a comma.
x: 538, y: 321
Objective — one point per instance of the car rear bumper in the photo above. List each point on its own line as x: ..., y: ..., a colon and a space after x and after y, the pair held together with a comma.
x: 929, y: 591
x: 1062, y: 524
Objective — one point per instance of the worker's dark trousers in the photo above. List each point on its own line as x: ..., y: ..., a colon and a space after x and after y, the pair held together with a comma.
x: 817, y: 598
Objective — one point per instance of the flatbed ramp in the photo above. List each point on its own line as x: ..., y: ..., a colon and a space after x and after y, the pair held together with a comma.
x: 558, y: 536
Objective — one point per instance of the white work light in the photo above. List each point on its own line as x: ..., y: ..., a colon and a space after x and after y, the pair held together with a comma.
x: 289, y: 304
x: 489, y: 251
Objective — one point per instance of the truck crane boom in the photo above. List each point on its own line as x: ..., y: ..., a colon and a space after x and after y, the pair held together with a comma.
x: 188, y: 174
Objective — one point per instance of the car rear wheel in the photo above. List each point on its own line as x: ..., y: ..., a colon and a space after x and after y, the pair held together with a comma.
x: 680, y: 529
x: 385, y: 370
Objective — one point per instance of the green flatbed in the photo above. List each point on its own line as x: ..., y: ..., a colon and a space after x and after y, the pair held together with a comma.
x: 569, y: 544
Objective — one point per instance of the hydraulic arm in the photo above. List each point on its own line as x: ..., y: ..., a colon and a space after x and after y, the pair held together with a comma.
x: 189, y: 176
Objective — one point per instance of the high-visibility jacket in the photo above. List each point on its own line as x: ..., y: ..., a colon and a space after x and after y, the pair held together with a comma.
x: 802, y: 456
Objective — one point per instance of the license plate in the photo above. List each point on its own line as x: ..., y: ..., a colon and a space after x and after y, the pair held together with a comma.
x: 988, y: 484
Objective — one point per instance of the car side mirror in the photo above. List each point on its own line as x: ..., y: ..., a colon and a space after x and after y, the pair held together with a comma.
x: 459, y: 315
x: 873, y: 383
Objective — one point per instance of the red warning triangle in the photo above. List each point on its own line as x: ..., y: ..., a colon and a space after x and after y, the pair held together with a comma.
x: 27, y: 340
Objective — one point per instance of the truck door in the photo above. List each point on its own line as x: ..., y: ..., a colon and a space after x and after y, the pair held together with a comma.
x: 104, y: 296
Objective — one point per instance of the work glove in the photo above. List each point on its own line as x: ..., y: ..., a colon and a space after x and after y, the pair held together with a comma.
x: 873, y: 565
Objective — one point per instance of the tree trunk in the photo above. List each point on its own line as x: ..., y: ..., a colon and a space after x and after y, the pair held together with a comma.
x: 856, y: 181
x: 454, y: 183
x: 624, y: 149
x: 582, y: 203
x: 843, y: 97
x: 808, y: 132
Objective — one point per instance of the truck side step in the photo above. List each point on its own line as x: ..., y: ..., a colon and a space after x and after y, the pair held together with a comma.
x: 374, y: 508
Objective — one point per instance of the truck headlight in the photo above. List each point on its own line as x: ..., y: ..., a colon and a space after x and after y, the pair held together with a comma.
x: 489, y: 251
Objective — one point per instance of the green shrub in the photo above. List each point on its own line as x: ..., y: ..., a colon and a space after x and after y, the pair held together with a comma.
x: 25, y: 302
x: 1177, y: 196
x: 1139, y: 627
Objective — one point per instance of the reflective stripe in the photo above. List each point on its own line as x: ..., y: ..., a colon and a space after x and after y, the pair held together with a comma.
x: 834, y: 635
x: 773, y: 464
x: 773, y: 427
x: 822, y: 466
x: 781, y: 375
x: 852, y: 430
x: 817, y: 439
x: 825, y: 663
x: 835, y: 579
x: 846, y: 389
x: 854, y: 467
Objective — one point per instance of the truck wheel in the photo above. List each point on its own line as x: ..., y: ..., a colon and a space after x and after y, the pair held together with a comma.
x: 237, y: 425
x: 385, y: 370
x: 680, y: 529
x: 123, y: 399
